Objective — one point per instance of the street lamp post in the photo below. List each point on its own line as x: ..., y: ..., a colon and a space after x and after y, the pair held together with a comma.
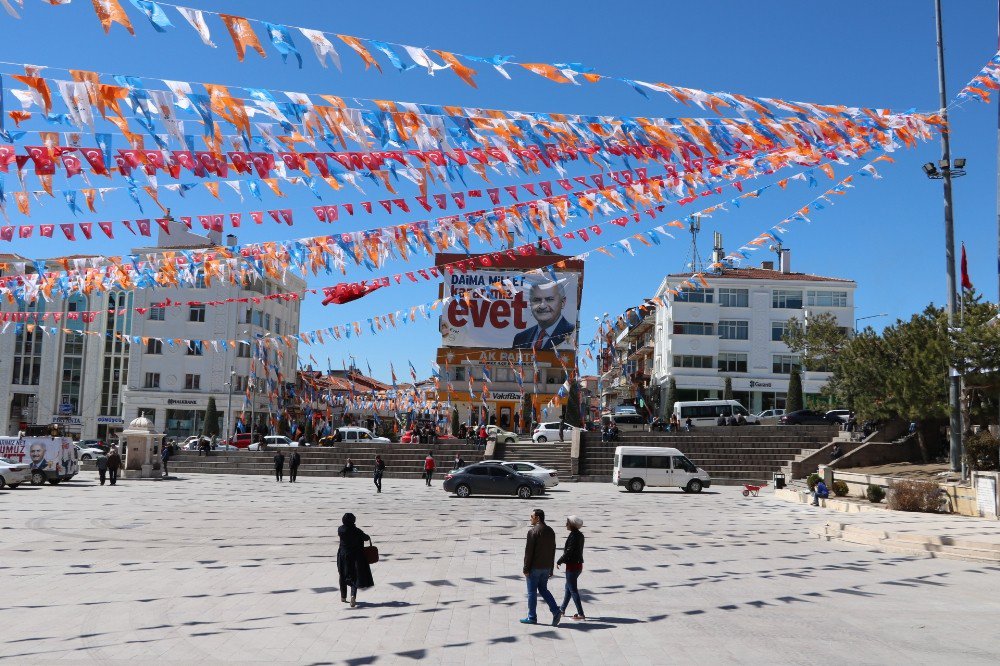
x: 881, y: 314
x: 229, y: 404
x: 944, y: 170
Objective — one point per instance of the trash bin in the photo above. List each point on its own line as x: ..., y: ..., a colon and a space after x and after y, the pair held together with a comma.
x: 779, y: 480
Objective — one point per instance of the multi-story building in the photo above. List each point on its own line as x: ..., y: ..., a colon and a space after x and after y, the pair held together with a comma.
x: 626, y: 380
x: 44, y: 379
x: 171, y: 383
x: 734, y: 327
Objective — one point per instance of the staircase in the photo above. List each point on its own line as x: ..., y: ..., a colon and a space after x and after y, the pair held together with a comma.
x: 402, y: 461
x: 732, y: 456
x: 554, y: 455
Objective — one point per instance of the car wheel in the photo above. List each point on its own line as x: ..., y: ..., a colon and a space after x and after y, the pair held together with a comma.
x: 694, y: 486
x: 2, y: 483
x: 85, y: 456
x: 542, y: 439
x: 524, y: 492
x: 463, y: 490
x: 13, y: 485
x: 37, y: 478
x: 54, y: 482
x: 636, y: 486
x: 509, y: 440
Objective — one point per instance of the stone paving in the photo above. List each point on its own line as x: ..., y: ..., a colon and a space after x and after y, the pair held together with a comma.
x: 206, y: 568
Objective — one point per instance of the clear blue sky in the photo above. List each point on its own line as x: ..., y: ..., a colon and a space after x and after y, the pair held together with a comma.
x: 887, y: 234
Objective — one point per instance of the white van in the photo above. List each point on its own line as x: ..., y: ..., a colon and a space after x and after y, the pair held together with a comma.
x: 636, y: 467
x: 707, y: 412
x: 626, y: 422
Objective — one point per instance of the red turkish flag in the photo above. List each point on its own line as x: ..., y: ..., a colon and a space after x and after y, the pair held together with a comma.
x: 6, y: 157
x: 143, y: 227
x: 206, y: 221
x: 240, y: 161
x: 72, y: 164
x: 257, y: 216
x: 7, y: 233
x: 966, y: 282
x: 46, y: 230
x: 87, y: 229
x: 234, y: 219
x: 163, y: 222
x: 44, y: 164
x: 25, y: 231
x: 441, y: 201
x: 69, y: 230
x: 345, y: 292
x: 106, y: 227
x: 286, y: 215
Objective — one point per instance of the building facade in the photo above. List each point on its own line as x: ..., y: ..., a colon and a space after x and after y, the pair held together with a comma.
x: 733, y: 328
x: 628, y: 366
x: 171, y: 383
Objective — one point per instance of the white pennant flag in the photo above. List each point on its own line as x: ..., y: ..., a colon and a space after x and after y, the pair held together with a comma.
x: 10, y: 9
x: 197, y: 21
x: 420, y: 57
x: 322, y: 46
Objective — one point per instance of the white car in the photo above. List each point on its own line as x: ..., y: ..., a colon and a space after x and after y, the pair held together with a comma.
x: 548, y: 476
x: 12, y: 474
x: 549, y: 432
x: 770, y: 416
x: 88, y: 453
x: 274, y: 442
x: 497, y: 433
x: 355, y: 434
x: 225, y: 447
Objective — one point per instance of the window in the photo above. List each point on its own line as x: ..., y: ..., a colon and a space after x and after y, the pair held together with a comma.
x: 154, y: 347
x: 693, y: 362
x: 634, y: 462
x: 734, y: 330
x: 782, y: 364
x: 277, y: 325
x: 267, y: 320
x: 152, y: 380
x: 693, y: 328
x: 498, y: 471
x: 658, y: 462
x: 683, y: 464
x: 157, y: 314
x: 778, y: 330
x: 242, y: 350
x: 194, y: 348
x: 734, y: 298
x: 196, y: 313
x: 459, y: 374
x: 787, y: 299
x: 477, y: 471
x: 830, y: 299
x: 695, y: 296
x: 192, y: 382
x: 240, y: 384
x: 730, y: 362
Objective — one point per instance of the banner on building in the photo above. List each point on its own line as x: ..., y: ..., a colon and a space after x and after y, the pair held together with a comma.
x: 499, y: 310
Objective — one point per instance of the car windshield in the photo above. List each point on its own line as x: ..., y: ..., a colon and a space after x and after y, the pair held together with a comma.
x: 4, y: 461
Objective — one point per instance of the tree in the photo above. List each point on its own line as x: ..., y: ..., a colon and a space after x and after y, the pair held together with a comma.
x: 817, y: 342
x: 526, y: 411
x: 975, y: 354
x: 793, y: 402
x: 211, y: 425
x: 571, y: 412
x: 668, y: 402
x: 727, y: 389
x: 455, y: 425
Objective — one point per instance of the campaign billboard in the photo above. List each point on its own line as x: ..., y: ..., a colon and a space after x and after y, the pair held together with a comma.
x: 533, y: 313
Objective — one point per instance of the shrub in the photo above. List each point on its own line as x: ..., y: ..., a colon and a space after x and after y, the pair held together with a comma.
x: 840, y: 489
x: 812, y: 480
x: 875, y: 494
x: 922, y: 496
x: 981, y: 451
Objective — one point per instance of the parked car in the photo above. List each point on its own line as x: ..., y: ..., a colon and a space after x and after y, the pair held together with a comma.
x: 12, y: 474
x: 241, y: 440
x: 89, y: 453
x: 840, y: 414
x: 808, y: 417
x: 548, y: 476
x: 546, y: 432
x: 498, y: 434
x: 356, y: 434
x: 770, y: 416
x: 274, y: 442
x: 94, y: 444
x: 483, y: 479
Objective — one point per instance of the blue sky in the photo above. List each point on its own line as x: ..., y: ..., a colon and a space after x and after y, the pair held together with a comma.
x: 885, y: 234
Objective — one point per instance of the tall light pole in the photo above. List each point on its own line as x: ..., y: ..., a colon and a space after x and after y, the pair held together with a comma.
x: 229, y: 404
x: 955, y: 416
x: 881, y: 314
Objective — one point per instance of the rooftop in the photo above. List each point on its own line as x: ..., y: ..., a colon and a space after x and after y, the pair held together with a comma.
x: 752, y: 273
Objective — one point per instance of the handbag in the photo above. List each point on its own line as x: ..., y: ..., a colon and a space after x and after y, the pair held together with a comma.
x: 371, y: 553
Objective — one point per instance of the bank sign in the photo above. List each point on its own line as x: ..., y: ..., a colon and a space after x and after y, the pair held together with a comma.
x: 533, y: 313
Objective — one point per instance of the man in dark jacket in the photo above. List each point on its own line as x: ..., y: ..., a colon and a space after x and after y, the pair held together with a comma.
x: 293, y: 466
x: 165, y: 457
x: 102, y: 465
x: 539, y: 560
x: 114, y: 464
x: 279, y: 465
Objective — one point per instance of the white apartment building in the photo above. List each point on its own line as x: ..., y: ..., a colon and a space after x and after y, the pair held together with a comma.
x: 733, y: 328
x: 171, y: 384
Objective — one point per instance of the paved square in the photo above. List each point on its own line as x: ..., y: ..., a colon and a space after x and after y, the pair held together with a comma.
x: 240, y: 569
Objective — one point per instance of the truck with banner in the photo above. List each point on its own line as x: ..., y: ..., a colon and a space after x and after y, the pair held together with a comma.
x: 51, y: 458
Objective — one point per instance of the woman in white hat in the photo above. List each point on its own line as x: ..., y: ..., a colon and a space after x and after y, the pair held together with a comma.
x: 572, y: 557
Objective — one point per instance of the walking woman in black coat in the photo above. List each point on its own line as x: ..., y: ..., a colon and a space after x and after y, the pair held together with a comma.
x: 351, y: 562
x: 572, y: 557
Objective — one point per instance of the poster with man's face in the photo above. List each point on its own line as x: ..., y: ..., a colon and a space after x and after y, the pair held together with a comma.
x: 531, y: 312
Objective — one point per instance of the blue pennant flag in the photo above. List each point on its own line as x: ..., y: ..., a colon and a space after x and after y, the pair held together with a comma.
x: 283, y: 43
x: 154, y: 13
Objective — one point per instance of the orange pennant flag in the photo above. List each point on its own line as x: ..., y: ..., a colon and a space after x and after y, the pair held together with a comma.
x: 23, y: 203
x: 548, y: 71
x: 109, y: 11
x: 273, y: 184
x: 212, y: 187
x: 243, y: 35
x: 463, y: 72
x: 39, y: 85
x: 360, y: 49
x: 88, y: 196
x: 828, y: 170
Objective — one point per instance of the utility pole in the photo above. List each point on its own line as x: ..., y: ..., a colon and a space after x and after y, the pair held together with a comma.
x: 954, y: 381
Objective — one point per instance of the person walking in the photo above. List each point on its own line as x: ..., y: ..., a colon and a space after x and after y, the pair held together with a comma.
x: 378, y: 472
x: 279, y: 465
x: 352, y: 566
x: 572, y: 557
x: 114, y: 464
x: 429, y: 467
x: 102, y: 465
x: 539, y: 557
x: 293, y: 466
x: 165, y: 457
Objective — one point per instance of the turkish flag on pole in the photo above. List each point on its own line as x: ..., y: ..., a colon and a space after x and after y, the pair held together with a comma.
x: 966, y: 282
